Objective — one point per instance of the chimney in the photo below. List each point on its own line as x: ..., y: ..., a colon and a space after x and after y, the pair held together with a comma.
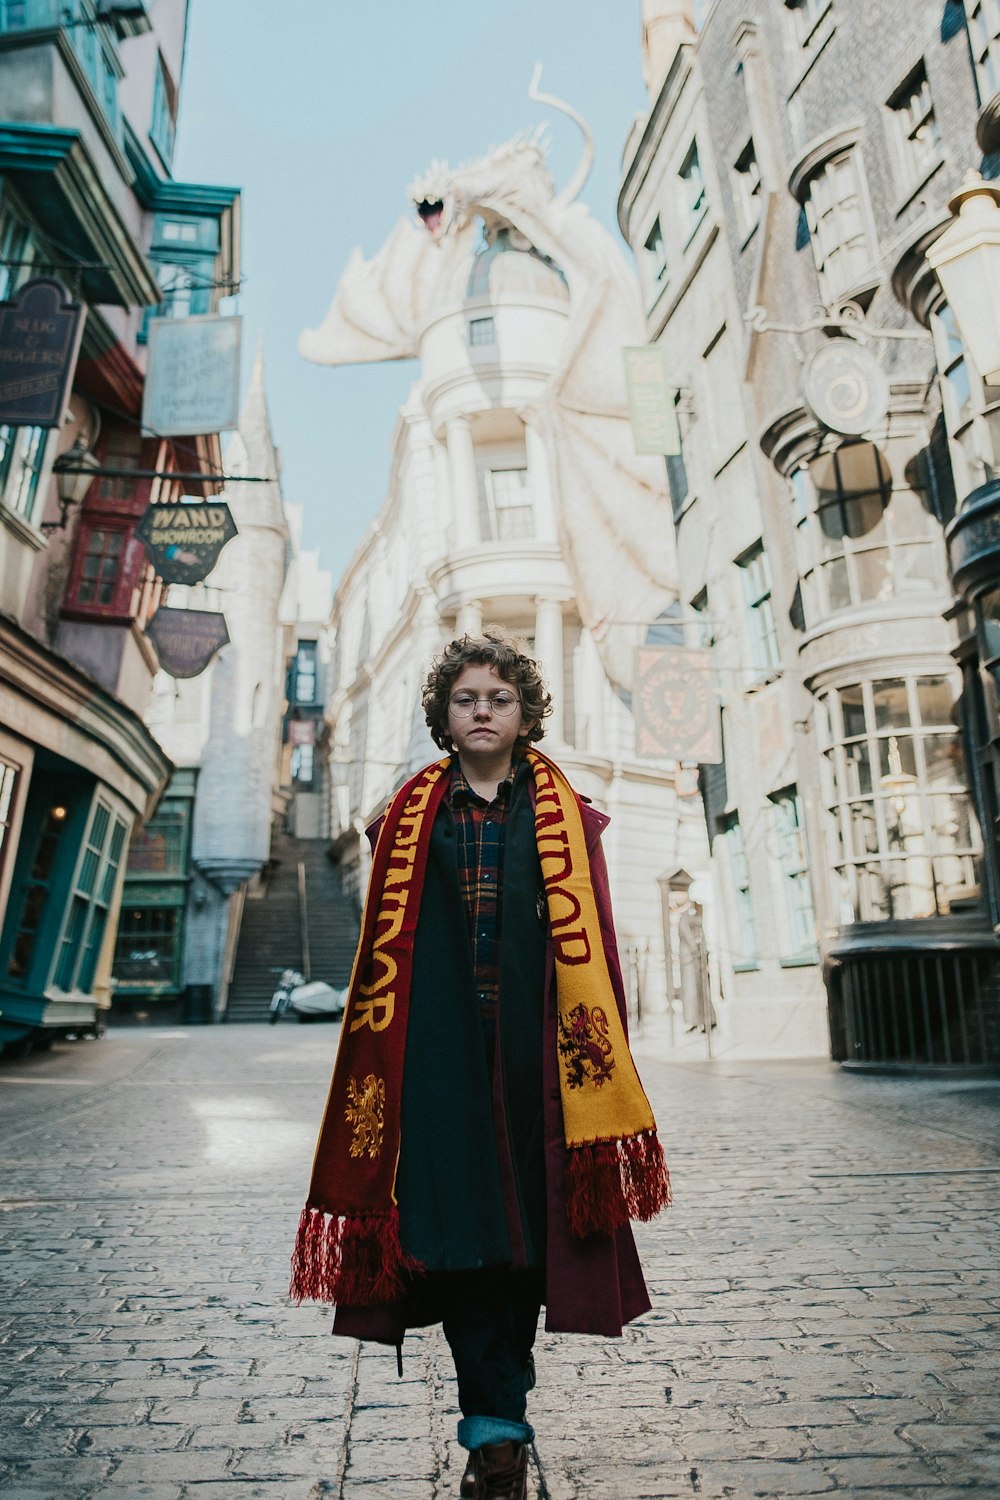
x: 665, y: 24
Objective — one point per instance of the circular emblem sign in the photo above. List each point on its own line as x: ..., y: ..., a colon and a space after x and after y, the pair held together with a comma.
x: 846, y: 387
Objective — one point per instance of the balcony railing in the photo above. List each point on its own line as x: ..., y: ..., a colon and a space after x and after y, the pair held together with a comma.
x: 90, y: 39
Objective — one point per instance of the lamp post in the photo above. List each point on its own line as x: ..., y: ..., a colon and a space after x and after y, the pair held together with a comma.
x: 966, y: 258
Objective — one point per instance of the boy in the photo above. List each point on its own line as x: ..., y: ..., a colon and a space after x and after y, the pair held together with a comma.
x: 487, y: 1139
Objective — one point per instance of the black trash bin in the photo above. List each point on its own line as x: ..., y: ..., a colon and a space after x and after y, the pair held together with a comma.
x: 198, y: 1005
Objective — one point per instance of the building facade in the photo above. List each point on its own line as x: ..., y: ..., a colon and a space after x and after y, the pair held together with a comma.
x: 88, y: 101
x: 780, y: 196
x: 514, y: 497
x: 189, y: 870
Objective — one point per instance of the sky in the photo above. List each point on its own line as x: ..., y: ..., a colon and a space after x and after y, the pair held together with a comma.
x: 323, y: 112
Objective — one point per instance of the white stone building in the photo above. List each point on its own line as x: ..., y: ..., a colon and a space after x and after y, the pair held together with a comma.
x: 514, y: 496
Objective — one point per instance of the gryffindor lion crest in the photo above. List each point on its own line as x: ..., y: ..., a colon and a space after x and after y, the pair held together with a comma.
x: 365, y: 1114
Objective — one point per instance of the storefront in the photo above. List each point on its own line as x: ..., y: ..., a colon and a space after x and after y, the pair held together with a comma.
x: 78, y: 771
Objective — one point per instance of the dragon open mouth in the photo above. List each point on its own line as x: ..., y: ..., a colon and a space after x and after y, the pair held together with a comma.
x: 432, y: 214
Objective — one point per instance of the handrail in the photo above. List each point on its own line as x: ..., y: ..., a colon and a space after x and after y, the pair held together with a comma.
x: 304, y: 920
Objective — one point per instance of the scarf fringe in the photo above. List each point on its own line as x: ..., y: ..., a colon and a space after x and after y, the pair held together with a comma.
x: 610, y: 1182
x: 355, y: 1261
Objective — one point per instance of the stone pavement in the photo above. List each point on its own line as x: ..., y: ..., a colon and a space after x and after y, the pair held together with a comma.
x: 825, y: 1291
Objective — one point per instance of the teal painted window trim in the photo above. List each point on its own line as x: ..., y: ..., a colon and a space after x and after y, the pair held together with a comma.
x: 749, y: 966
x: 92, y: 893
x: 793, y: 861
x: 756, y: 574
x: 739, y: 872
x: 800, y: 960
x: 54, y: 820
x: 162, y: 128
x: 92, y: 46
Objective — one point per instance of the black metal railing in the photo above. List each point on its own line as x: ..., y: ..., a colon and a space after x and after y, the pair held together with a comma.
x: 931, y: 1009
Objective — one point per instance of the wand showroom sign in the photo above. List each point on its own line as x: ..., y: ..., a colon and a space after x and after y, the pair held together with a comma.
x: 183, y: 540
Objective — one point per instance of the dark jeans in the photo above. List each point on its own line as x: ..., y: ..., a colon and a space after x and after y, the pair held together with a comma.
x: 489, y: 1319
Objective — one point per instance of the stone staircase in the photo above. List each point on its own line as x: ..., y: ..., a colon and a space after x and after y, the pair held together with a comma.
x: 271, y: 934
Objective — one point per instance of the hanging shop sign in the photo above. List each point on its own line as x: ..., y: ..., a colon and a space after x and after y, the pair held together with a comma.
x: 187, y: 639
x: 652, y: 401
x: 675, y: 705
x: 192, y: 376
x: 183, y: 541
x: 40, y: 332
x: 846, y: 387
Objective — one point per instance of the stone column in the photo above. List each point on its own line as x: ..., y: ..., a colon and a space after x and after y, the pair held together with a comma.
x: 469, y: 620
x: 464, y: 484
x: 549, y: 650
x: 540, y: 479
x: 442, y: 488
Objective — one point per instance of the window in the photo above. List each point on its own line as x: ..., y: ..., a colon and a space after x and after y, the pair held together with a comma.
x: 916, y: 132
x: 22, y: 459
x: 179, y: 231
x: 79, y: 944
x: 677, y: 476
x: 656, y: 259
x: 835, y: 214
x: 756, y: 574
x: 18, y: 249
x: 508, y: 500
x: 747, y: 190
x: 160, y: 848
x: 693, y: 184
x: 794, y: 866
x: 161, y: 130
x: 971, y: 408
x: 37, y: 890
x: 303, y: 764
x: 984, y: 40
x: 482, y: 331
x: 898, y: 821
x: 8, y: 781
x: 858, y: 539
x: 806, y: 15
x: 99, y: 568
x: 721, y: 392
x: 304, y: 686
x: 704, y: 630
x: 178, y: 286
x: 147, y: 949
x: 739, y: 875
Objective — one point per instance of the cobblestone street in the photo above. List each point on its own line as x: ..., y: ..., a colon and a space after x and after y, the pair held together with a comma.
x: 825, y: 1292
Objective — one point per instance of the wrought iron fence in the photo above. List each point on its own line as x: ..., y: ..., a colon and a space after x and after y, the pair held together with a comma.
x: 938, y: 1009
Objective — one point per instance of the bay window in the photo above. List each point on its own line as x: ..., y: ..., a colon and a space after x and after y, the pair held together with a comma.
x: 900, y: 833
x: 859, y: 538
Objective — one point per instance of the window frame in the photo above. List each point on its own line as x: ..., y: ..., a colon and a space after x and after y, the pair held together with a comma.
x: 758, y: 600
x: 120, y: 609
x: 731, y: 832
x: 984, y: 46
x: 694, y: 190
x: 655, y: 259
x: 864, y: 810
x: 748, y: 191
x: 495, y: 510
x: 836, y: 283
x: 24, y: 453
x: 793, y: 867
x: 971, y: 407
x: 851, y: 554
x: 907, y: 121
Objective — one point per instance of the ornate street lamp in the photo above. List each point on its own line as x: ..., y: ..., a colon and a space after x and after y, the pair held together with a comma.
x: 966, y: 258
x: 74, y: 472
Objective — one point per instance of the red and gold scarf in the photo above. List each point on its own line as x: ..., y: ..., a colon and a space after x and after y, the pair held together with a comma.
x: 348, y: 1249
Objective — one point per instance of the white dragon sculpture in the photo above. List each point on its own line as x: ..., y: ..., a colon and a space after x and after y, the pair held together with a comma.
x: 615, y: 522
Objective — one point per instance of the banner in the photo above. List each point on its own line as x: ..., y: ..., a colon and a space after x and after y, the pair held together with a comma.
x: 183, y: 540
x: 675, y: 705
x: 652, y: 401
x: 187, y: 639
x: 40, y: 332
x: 192, y: 376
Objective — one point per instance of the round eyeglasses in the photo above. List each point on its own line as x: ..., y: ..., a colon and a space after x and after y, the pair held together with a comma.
x: 464, y: 705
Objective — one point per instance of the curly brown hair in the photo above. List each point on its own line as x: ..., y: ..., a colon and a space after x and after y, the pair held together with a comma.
x: 506, y: 655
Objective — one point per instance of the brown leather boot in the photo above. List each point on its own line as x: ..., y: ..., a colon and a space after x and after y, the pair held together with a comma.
x: 467, y: 1489
x: 500, y: 1472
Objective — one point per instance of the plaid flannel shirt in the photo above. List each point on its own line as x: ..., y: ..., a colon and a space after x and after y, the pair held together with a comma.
x: 479, y: 830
